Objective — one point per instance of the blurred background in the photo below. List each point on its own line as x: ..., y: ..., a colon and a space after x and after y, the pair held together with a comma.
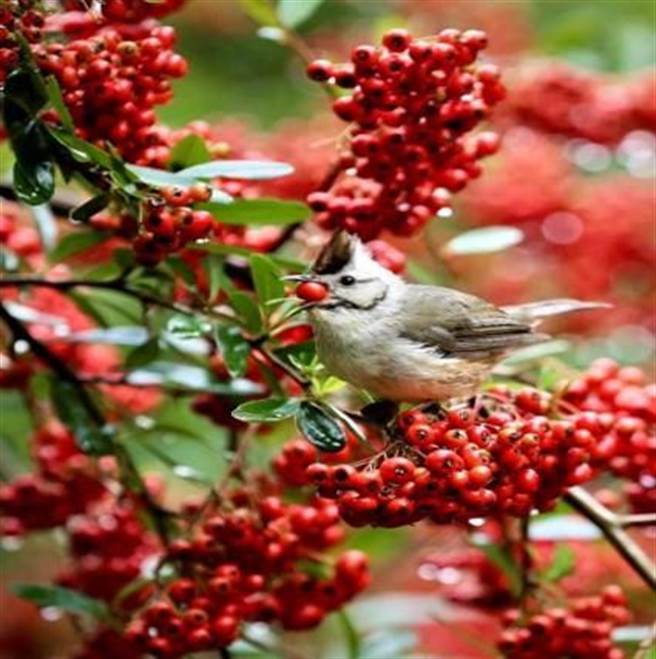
x: 575, y: 173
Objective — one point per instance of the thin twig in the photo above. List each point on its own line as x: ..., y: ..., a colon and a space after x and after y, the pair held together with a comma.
x: 611, y: 526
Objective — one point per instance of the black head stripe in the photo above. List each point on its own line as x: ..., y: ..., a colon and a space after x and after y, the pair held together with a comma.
x: 335, y: 255
x: 341, y: 303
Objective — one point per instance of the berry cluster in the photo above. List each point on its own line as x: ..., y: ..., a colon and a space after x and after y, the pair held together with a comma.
x: 67, y: 483
x: 629, y: 446
x: 580, y: 631
x: 129, y: 11
x: 169, y: 222
x: 108, y: 549
x: 502, y: 457
x: 111, y: 85
x: 244, y: 563
x: 412, y: 104
x: 17, y: 18
x: 556, y: 98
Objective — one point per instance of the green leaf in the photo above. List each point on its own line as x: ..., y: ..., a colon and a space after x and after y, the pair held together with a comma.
x: 186, y: 326
x: 192, y: 378
x: 259, y: 212
x: 351, y: 635
x: 562, y: 564
x: 257, y: 170
x: 61, y: 598
x: 161, y: 178
x: 213, y: 266
x: 46, y: 225
x: 260, y: 11
x: 126, y: 335
x: 484, y: 241
x: 295, y: 12
x: 76, y: 242
x: 143, y: 354
x: 269, y: 409
x: 34, y: 181
x: 247, y: 310
x: 234, y: 348
x: 24, y: 86
x: 388, y: 644
x: 267, y: 281
x: 57, y: 101
x: 319, y: 428
x: 89, y: 208
x: 79, y: 149
x: 228, y: 250
x: 189, y: 151
x: 90, y: 438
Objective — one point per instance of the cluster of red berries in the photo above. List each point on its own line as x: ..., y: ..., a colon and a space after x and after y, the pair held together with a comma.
x: 111, y: 85
x: 243, y: 564
x: 108, y: 549
x: 17, y: 18
x: 128, y: 11
x: 169, y: 222
x: 629, y: 446
x: 412, y: 104
x: 556, y: 98
x: 503, y: 456
x: 580, y: 631
x: 67, y: 483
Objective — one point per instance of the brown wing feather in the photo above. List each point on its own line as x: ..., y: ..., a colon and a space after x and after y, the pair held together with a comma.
x: 461, y: 324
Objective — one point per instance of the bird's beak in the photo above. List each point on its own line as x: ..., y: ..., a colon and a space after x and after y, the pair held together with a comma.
x: 299, y: 278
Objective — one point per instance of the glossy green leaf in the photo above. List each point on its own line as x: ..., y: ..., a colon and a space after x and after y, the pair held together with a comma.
x: 319, y: 428
x: 293, y: 265
x: 191, y: 378
x: 295, y: 12
x: 267, y: 280
x: 213, y: 266
x: 84, y: 212
x: 143, y: 354
x: 161, y: 178
x: 562, y: 564
x: 247, y: 310
x: 57, y: 102
x: 269, y: 409
x: 34, y: 181
x: 259, y: 212
x: 70, y: 409
x: 61, y: 598
x: 24, y: 86
x: 79, y: 149
x: 126, y: 335
x: 234, y: 348
x: 186, y: 326
x: 483, y: 241
x: 257, y: 170
x: 76, y: 242
x: 189, y: 151
x: 261, y: 11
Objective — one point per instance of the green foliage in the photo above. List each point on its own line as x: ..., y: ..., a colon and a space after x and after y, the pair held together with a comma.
x: 562, y: 564
x: 62, y: 598
x: 76, y: 242
x: 267, y: 281
x: 269, y: 409
x: 259, y: 211
x: 234, y: 348
x: 319, y: 428
x: 189, y: 151
x: 293, y: 13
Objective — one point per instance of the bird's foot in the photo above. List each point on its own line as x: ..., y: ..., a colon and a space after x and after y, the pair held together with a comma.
x: 380, y: 412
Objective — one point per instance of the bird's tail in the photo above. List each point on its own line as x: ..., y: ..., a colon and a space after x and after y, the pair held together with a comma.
x: 534, y: 312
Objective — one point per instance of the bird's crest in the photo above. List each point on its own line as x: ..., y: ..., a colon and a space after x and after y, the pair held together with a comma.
x: 335, y: 255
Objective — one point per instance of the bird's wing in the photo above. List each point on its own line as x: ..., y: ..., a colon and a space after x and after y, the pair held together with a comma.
x: 460, y: 324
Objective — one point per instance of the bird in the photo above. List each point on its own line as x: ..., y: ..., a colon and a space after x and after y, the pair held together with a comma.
x: 405, y: 342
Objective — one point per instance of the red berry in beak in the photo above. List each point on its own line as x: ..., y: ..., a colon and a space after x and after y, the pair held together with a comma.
x: 312, y: 291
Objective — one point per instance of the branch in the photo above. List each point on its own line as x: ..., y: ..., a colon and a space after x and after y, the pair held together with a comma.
x: 611, y: 526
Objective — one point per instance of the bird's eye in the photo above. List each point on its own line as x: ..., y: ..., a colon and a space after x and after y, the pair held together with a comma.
x: 347, y: 280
